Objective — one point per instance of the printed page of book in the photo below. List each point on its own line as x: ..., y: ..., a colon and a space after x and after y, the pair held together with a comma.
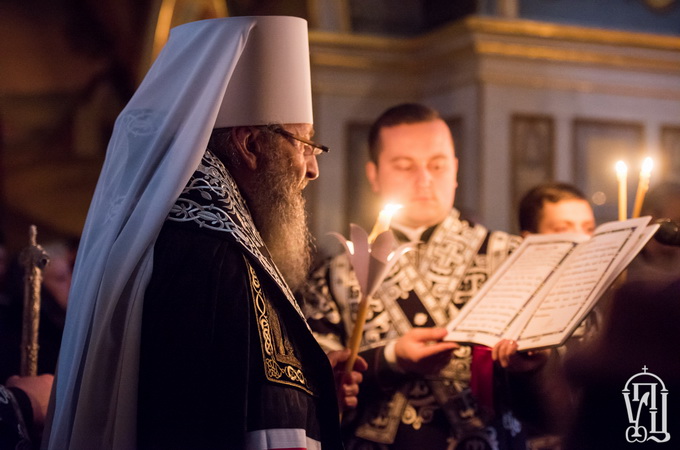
x: 490, y: 314
x: 591, y: 269
x: 568, y: 271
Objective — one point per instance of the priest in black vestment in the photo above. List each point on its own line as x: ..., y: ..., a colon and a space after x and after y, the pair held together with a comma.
x: 421, y: 391
x: 182, y: 331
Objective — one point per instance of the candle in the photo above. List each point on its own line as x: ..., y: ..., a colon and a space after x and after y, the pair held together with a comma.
x: 371, y: 261
x: 643, y: 185
x: 357, y: 333
x: 383, y: 222
x: 621, y: 173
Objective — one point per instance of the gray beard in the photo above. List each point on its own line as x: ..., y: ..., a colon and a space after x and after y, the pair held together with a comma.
x: 278, y: 208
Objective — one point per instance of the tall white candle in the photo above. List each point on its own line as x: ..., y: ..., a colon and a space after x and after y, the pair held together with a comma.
x: 643, y: 186
x: 621, y: 175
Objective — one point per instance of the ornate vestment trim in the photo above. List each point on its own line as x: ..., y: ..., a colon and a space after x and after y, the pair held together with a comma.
x: 280, y: 363
x: 212, y: 200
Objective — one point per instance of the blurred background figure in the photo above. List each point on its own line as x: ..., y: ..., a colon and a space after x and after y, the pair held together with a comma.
x: 658, y: 262
x: 551, y: 208
x: 555, y: 207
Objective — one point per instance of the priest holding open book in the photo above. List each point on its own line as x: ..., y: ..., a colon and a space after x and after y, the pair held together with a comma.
x: 421, y: 391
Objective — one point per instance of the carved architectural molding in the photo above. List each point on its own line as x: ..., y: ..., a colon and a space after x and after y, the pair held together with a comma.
x: 494, y: 50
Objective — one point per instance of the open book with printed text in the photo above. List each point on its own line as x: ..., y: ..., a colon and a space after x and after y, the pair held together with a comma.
x: 549, y: 284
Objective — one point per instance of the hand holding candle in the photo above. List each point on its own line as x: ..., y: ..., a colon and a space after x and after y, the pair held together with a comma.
x: 643, y: 186
x: 371, y: 261
x: 621, y: 175
x: 382, y: 224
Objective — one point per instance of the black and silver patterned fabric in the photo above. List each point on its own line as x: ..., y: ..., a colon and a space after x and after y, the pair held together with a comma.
x: 426, y: 288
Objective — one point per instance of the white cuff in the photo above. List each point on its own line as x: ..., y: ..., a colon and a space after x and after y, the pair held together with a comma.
x: 391, y: 357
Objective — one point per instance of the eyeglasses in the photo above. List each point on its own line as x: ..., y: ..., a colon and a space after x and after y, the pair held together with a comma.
x: 311, y: 148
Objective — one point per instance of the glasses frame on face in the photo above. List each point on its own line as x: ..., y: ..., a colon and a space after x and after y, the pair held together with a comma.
x: 311, y: 147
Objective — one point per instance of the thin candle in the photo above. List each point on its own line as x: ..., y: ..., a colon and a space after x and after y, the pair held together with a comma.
x: 643, y: 185
x: 357, y: 333
x: 621, y: 174
x: 384, y: 220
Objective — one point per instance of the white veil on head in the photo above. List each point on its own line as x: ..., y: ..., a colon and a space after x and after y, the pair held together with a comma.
x: 157, y: 143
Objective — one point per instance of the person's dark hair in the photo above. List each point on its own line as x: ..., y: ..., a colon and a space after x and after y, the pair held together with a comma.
x: 658, y: 196
x: 531, y: 204
x: 404, y: 113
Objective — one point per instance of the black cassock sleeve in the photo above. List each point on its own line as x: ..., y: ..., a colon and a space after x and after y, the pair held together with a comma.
x: 196, y: 332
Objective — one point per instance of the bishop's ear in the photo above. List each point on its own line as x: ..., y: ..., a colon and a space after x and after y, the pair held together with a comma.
x: 244, y: 143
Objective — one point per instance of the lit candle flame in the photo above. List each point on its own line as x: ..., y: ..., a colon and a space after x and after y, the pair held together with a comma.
x: 647, y: 165
x: 384, y: 220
